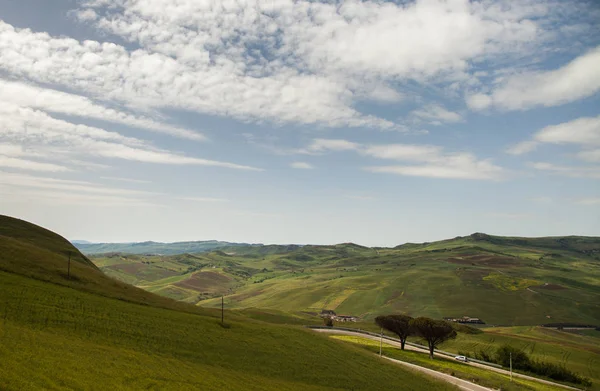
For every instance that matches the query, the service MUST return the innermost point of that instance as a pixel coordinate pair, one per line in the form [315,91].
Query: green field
[502,280]
[89,332]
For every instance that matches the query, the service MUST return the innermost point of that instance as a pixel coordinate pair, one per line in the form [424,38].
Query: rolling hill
[153,247]
[87,331]
[503,280]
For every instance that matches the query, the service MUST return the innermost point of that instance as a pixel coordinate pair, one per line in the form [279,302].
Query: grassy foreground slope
[54,335]
[503,280]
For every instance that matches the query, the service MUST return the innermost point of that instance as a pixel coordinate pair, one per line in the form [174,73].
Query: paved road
[409,347]
[462,384]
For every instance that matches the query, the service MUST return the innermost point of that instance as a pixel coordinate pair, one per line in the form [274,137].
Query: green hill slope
[32,251]
[84,333]
[503,280]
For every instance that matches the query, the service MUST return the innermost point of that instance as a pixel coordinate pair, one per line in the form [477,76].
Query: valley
[99,330]
[504,281]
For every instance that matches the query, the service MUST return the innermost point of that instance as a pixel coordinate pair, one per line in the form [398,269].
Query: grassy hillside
[83,333]
[32,251]
[503,280]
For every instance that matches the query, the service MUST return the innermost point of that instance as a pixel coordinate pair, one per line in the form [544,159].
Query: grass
[72,339]
[504,282]
[86,333]
[473,374]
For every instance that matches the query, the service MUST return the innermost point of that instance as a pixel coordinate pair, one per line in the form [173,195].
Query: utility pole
[510,361]
[380,342]
[222,309]
[69,266]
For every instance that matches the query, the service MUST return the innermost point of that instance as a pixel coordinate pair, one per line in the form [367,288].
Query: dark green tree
[433,331]
[520,360]
[397,324]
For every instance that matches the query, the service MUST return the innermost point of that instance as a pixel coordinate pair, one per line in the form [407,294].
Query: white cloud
[436,114]
[570,171]
[592,155]
[469,168]
[427,160]
[432,162]
[86,15]
[588,201]
[23,164]
[27,95]
[302,165]
[406,152]
[478,101]
[153,79]
[130,180]
[69,198]
[522,147]
[41,133]
[576,80]
[286,61]
[64,185]
[584,132]
[325,145]
[203,199]
[510,216]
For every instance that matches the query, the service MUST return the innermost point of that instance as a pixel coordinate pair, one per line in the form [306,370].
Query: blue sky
[300,121]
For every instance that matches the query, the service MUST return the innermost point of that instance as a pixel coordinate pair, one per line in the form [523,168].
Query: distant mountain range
[582,244]
[155,248]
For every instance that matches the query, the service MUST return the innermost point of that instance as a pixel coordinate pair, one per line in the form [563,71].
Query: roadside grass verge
[579,353]
[463,371]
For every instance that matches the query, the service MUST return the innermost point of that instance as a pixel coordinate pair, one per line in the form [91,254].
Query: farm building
[345,318]
[327,314]
[465,319]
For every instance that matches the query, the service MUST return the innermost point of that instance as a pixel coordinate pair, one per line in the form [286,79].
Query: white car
[461,358]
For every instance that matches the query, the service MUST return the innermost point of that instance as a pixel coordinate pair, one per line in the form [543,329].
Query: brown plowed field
[206,282]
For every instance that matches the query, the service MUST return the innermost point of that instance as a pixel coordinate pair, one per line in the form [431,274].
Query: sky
[279,121]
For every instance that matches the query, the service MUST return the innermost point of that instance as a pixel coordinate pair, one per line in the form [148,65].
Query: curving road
[409,347]
[462,384]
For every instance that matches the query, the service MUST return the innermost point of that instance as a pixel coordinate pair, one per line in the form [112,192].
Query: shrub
[328,322]
[462,328]
[484,356]
[520,360]
[558,372]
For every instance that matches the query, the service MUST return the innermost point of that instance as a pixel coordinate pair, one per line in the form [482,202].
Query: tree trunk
[431,347]
[402,343]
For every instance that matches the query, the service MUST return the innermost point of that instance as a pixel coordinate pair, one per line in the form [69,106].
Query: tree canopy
[433,331]
[397,324]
